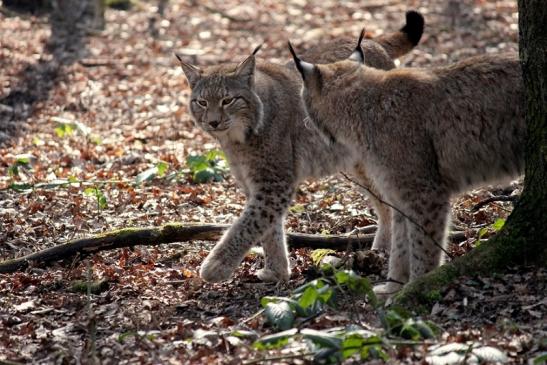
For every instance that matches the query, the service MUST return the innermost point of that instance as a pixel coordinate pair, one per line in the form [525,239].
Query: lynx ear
[358,55]
[193,74]
[306,69]
[246,69]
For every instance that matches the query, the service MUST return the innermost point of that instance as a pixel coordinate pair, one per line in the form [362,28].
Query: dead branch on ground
[174,232]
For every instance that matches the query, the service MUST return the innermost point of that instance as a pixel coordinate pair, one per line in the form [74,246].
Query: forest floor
[104,107]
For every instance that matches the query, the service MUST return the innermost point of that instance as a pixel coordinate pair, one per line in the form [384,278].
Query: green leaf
[275,341]
[351,345]
[424,329]
[13,170]
[341,277]
[123,336]
[99,196]
[244,334]
[279,315]
[321,338]
[90,191]
[541,359]
[319,254]
[204,175]
[64,129]
[309,297]
[21,187]
[298,208]
[161,168]
[498,224]
[102,201]
[146,175]
[52,184]
[23,159]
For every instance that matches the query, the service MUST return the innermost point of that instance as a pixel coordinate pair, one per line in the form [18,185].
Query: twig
[496,198]
[280,357]
[402,213]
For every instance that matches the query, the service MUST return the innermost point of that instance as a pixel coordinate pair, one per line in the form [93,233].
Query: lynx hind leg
[276,266]
[428,242]
[382,239]
[398,270]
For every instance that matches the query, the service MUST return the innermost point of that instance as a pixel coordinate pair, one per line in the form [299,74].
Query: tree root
[169,233]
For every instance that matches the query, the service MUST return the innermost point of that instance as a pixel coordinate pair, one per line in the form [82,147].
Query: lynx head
[322,84]
[223,100]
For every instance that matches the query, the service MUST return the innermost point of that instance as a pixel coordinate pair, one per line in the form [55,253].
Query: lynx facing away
[257,115]
[424,135]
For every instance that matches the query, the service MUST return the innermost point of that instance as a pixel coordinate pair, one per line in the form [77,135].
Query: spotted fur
[255,112]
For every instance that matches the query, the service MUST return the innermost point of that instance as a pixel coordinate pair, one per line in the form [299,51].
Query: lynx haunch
[424,135]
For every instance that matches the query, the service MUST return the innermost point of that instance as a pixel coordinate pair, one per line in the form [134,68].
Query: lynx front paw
[386,290]
[272,276]
[214,270]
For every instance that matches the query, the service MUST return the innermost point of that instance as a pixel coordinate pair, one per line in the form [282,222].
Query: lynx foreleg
[262,212]
[276,267]
[399,256]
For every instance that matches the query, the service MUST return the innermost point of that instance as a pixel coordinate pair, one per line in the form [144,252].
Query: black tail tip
[414,27]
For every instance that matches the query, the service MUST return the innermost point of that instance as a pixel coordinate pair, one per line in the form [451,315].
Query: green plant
[210,166]
[21,161]
[99,196]
[335,345]
[158,170]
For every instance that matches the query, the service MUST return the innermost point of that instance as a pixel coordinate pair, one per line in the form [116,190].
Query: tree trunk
[523,240]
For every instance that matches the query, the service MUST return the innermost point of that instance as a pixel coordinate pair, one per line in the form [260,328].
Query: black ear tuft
[178,57]
[257,48]
[297,60]
[358,54]
[414,27]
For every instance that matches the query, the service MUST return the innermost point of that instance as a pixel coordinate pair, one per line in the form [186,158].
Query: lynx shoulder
[424,135]
[255,112]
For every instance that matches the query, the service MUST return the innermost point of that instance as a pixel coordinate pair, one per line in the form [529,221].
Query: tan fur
[424,135]
[256,114]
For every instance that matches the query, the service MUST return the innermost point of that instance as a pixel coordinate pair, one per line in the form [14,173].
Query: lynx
[255,112]
[424,135]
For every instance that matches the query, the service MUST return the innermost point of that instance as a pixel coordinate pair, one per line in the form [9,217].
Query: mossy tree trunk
[523,240]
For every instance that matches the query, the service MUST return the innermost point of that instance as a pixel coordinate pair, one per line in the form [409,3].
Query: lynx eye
[227,101]
[202,103]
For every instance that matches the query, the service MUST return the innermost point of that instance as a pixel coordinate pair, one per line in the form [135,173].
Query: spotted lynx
[424,135]
[255,112]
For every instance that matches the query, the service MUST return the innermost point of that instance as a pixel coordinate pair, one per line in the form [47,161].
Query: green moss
[96,287]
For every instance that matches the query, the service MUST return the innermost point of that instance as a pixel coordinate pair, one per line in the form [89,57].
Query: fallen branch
[497,198]
[169,233]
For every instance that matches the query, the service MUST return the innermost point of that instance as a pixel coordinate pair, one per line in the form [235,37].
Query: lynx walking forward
[256,113]
[424,135]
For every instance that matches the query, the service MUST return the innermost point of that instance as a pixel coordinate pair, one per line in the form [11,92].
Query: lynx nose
[214,123]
